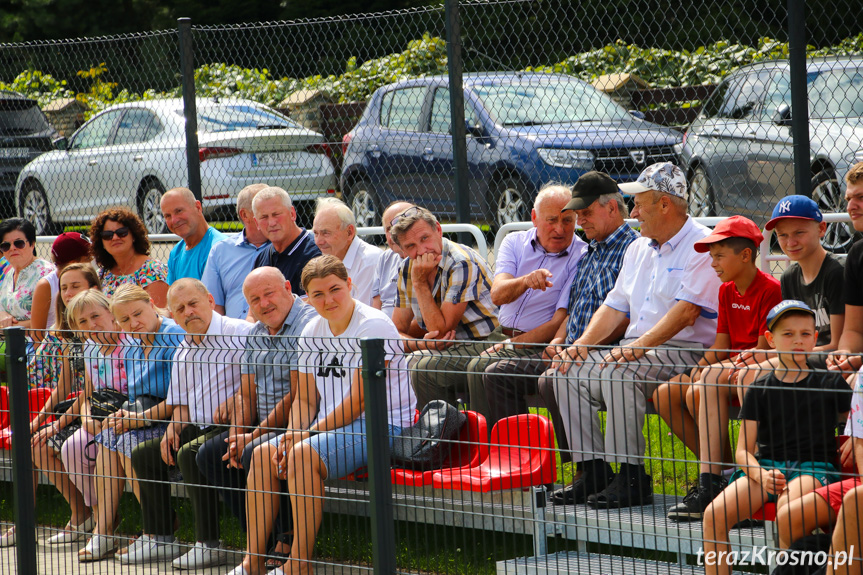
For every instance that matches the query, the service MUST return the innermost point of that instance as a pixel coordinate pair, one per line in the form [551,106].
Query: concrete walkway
[63,560]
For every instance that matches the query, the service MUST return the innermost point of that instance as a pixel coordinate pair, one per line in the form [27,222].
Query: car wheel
[35,209]
[828,196]
[700,194]
[363,204]
[149,206]
[511,203]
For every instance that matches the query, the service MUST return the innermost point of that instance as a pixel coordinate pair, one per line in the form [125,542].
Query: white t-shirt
[332,360]
[203,376]
[54,281]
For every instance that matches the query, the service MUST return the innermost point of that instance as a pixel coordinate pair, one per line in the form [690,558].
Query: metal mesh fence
[497,490]
[551,91]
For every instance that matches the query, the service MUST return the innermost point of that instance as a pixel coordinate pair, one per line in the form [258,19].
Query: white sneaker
[147,550]
[202,556]
[72,533]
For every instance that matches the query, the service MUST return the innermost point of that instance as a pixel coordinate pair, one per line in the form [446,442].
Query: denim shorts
[825,473]
[343,451]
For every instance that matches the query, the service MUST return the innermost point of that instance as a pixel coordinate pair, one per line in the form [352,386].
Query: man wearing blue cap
[815,276]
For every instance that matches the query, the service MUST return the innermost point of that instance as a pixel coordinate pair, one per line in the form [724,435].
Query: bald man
[185,217]
[267,388]
[385,285]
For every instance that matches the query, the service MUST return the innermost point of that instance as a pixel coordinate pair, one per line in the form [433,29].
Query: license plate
[274,159]
[14,152]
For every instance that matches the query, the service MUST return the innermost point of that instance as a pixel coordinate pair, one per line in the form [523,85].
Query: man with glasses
[444,293]
[665,303]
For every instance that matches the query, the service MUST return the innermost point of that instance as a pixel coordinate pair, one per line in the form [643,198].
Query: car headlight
[577,159]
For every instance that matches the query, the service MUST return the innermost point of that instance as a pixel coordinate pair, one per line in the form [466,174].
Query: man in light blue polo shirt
[185,217]
[533,272]
[268,386]
[232,259]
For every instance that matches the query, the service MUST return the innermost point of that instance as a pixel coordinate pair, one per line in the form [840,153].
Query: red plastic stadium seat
[37,398]
[521,455]
[768,512]
[4,407]
[470,451]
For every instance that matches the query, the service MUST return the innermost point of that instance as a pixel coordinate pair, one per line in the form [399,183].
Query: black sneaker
[591,481]
[629,487]
[693,506]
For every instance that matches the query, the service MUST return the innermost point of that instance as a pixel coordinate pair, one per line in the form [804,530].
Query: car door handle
[751,135]
[428,154]
[138,158]
[92,162]
[374,150]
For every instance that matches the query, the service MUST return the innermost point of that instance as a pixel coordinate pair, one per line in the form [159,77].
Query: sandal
[276,560]
[99,547]
[72,533]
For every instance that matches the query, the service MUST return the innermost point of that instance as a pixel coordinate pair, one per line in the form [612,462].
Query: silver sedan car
[130,154]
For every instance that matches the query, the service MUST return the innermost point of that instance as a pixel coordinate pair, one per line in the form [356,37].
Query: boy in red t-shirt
[695,405]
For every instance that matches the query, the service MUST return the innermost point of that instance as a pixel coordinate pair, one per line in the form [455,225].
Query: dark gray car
[24,134]
[739,153]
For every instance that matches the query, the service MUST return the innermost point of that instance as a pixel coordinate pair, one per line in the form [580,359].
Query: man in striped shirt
[444,293]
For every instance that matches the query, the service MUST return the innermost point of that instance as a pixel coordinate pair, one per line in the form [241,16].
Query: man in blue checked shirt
[233,258]
[600,211]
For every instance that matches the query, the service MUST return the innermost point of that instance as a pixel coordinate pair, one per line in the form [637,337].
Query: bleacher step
[569,562]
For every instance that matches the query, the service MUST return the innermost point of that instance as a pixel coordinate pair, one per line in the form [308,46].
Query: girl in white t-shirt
[331,444]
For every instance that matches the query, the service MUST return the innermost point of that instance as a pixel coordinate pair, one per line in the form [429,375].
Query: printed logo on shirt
[334,368]
[740,307]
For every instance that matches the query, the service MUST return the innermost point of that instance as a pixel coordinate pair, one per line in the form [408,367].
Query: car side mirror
[636,114]
[61,143]
[474,130]
[782,117]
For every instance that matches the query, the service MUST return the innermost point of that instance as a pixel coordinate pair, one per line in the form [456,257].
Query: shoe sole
[617,505]
[94,559]
[685,516]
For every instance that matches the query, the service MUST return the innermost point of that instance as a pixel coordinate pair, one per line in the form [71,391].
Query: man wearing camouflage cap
[665,304]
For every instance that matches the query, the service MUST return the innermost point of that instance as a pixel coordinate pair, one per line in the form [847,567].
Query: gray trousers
[623,388]
[444,374]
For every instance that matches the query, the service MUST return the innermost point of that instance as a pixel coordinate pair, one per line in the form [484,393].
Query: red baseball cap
[70,246]
[733,227]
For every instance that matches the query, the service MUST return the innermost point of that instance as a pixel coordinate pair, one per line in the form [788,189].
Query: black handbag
[106,401]
[141,404]
[428,444]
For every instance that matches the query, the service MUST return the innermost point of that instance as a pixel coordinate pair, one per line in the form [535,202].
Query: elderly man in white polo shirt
[665,303]
[335,231]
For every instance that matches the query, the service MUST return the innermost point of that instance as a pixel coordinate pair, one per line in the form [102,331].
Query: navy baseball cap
[784,307]
[798,207]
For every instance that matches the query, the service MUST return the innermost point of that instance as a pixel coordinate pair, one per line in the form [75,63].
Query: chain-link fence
[550,91]
[524,478]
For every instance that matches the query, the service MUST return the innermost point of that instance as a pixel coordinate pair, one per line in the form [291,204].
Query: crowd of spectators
[239,368]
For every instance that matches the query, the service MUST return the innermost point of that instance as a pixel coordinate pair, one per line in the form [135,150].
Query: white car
[130,154]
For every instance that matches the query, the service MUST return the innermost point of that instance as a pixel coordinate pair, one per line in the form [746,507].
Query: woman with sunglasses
[121,249]
[18,245]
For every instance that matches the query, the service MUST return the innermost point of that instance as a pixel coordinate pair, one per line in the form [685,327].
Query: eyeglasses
[6,246]
[408,213]
[109,234]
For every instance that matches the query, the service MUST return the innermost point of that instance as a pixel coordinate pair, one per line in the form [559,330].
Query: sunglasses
[408,213]
[6,246]
[109,234]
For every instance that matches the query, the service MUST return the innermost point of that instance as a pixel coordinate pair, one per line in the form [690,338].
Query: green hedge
[425,57]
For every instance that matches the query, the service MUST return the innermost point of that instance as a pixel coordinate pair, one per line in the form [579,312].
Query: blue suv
[523,130]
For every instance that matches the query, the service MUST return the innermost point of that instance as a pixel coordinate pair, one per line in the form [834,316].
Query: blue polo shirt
[151,375]
[183,263]
[229,263]
[291,261]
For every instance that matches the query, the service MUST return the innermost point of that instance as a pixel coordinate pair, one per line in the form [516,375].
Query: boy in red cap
[685,402]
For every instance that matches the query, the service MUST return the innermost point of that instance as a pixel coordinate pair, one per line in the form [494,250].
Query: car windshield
[836,93]
[20,118]
[524,104]
[239,117]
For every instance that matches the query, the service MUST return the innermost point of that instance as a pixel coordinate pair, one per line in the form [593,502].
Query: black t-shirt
[824,294]
[797,421]
[291,261]
[854,275]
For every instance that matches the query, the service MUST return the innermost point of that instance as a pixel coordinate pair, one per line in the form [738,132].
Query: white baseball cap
[663,177]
